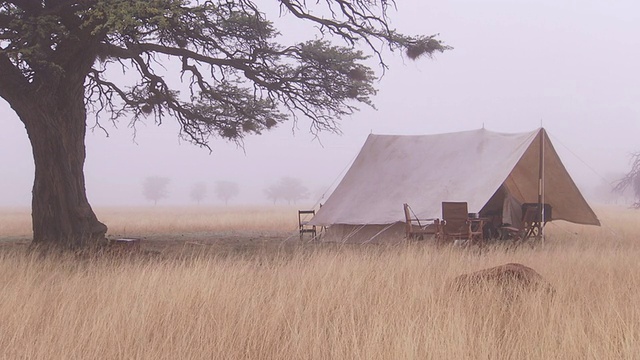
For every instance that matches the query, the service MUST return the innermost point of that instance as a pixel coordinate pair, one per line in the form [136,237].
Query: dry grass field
[233,284]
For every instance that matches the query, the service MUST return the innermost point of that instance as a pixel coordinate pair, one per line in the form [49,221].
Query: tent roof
[425,170]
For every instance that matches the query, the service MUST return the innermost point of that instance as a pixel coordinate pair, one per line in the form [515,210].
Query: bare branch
[631,179]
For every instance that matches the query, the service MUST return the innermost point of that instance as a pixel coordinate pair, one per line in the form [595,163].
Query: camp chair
[304,216]
[531,222]
[456,224]
[416,228]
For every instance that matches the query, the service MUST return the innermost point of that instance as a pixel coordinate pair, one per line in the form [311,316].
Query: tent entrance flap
[505,207]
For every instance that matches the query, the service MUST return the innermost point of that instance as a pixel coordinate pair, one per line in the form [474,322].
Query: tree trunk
[56,124]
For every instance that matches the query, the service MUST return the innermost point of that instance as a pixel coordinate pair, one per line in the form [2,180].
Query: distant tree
[288,189]
[605,192]
[632,179]
[226,190]
[273,193]
[293,190]
[198,192]
[154,188]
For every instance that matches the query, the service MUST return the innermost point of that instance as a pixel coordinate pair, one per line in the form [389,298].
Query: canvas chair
[531,222]
[304,216]
[456,224]
[417,228]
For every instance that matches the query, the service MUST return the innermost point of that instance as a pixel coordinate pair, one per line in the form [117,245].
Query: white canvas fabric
[469,166]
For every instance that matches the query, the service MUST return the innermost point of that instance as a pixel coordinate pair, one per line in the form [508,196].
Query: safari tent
[490,171]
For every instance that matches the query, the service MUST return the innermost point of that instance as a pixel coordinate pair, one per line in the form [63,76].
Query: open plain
[237,283]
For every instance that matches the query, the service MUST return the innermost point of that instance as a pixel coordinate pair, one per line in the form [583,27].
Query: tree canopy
[234,77]
[240,80]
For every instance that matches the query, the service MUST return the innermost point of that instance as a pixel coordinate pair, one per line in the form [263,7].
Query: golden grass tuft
[329,302]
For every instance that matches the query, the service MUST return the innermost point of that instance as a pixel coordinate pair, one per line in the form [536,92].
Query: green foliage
[132,17]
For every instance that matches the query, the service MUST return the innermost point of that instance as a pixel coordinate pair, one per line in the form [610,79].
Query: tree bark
[56,124]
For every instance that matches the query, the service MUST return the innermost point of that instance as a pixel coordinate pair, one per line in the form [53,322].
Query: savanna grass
[338,302]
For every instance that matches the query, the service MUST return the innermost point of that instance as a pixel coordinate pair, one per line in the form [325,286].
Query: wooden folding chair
[304,216]
[417,228]
[456,224]
[531,224]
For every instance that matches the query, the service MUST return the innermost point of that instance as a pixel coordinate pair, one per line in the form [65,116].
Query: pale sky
[571,66]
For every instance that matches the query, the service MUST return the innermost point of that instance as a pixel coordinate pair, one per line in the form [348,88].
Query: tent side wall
[360,234]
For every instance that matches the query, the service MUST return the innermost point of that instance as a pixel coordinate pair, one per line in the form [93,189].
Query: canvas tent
[483,168]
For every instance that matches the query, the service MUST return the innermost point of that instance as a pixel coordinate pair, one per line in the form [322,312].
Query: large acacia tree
[57,62]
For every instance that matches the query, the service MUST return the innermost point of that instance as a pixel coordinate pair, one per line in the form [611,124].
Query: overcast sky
[571,66]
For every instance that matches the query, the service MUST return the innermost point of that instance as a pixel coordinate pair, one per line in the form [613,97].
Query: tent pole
[541,186]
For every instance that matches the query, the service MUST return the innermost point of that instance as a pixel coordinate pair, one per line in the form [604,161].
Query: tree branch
[13,85]
[631,179]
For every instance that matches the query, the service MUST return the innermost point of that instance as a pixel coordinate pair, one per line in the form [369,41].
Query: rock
[508,277]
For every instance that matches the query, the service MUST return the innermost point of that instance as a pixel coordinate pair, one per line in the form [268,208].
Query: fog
[569,66]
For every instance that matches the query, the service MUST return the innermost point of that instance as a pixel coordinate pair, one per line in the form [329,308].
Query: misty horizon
[514,67]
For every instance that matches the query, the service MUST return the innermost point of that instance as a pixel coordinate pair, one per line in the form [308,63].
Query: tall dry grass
[159,220]
[336,302]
